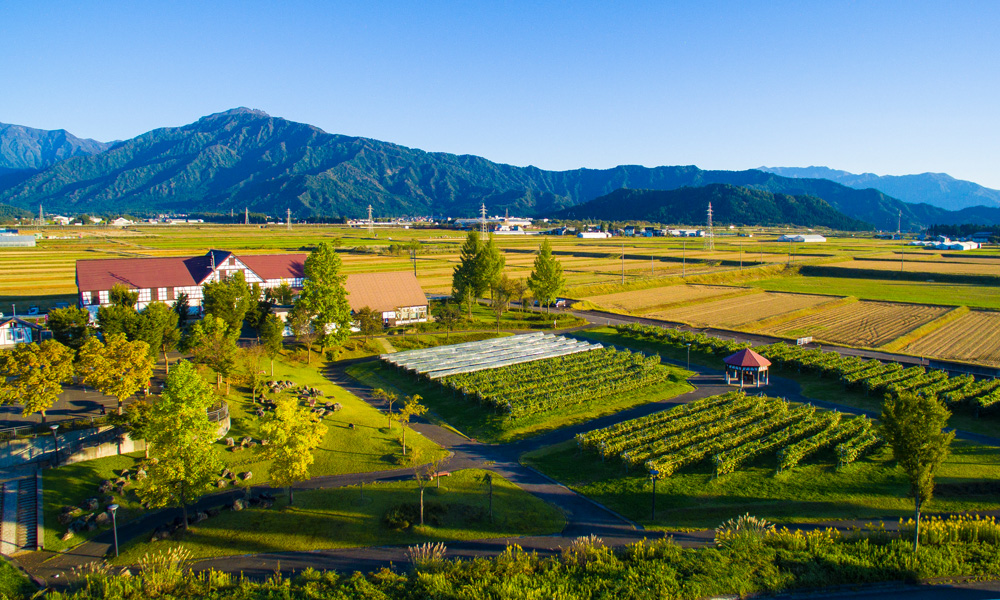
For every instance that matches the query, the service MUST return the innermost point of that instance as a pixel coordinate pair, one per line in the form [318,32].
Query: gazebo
[747,367]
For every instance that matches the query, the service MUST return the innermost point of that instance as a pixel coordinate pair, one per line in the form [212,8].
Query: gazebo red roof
[747,358]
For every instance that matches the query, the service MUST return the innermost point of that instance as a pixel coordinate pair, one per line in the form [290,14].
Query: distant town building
[121,222]
[593,235]
[16,241]
[802,237]
[15,331]
[61,220]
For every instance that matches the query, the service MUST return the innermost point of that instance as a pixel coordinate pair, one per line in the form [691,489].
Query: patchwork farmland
[974,337]
[862,323]
[741,310]
[642,301]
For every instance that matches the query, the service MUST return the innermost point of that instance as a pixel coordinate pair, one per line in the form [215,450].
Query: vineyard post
[689,355]
[654,475]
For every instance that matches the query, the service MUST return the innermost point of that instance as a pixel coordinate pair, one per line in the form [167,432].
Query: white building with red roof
[397,296]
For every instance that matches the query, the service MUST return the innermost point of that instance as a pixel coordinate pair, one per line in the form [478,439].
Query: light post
[654,475]
[689,355]
[55,440]
[114,525]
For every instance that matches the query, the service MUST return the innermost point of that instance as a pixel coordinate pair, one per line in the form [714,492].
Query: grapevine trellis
[871,375]
[732,430]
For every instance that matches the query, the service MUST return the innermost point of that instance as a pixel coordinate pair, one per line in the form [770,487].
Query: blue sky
[883,87]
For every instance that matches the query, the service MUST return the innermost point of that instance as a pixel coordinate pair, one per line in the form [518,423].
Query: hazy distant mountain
[731,205]
[23,148]
[937,189]
[245,158]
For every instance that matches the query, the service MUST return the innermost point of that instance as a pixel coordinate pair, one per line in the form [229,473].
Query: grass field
[734,312]
[369,446]
[931,267]
[872,488]
[339,518]
[642,301]
[948,294]
[485,424]
[975,337]
[861,323]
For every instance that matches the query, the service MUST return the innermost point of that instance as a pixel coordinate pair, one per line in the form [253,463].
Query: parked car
[33,310]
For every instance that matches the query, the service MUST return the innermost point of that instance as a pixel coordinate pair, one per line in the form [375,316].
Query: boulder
[199,517]
[120,482]
[140,474]
[230,442]
[337,407]
[212,512]
[161,533]
[226,473]
[105,487]
[90,504]
[237,505]
[124,473]
[222,483]
[246,476]
[66,518]
[102,519]
[107,500]
[68,535]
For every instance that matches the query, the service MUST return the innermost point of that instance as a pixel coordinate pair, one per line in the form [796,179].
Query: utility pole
[413,256]
[41,215]
[246,216]
[288,219]
[371,223]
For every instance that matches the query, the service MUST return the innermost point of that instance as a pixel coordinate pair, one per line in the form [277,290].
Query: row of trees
[481,270]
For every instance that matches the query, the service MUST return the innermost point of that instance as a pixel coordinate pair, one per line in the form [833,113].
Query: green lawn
[872,488]
[481,423]
[952,294]
[370,446]
[338,518]
[13,584]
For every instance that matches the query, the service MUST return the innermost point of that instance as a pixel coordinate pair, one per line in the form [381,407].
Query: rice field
[740,310]
[643,301]
[862,323]
[973,337]
[942,266]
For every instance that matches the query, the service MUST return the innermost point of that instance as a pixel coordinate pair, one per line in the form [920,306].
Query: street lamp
[55,439]
[654,475]
[114,525]
[689,355]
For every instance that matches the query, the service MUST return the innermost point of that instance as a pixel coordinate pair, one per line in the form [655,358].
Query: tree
[119,368]
[300,320]
[913,426]
[182,306]
[272,335]
[546,279]
[491,263]
[249,362]
[157,326]
[292,433]
[411,408]
[117,319]
[324,296]
[467,280]
[212,344]
[230,299]
[135,421]
[369,322]
[256,316]
[32,375]
[70,326]
[185,464]
[390,399]
[281,295]
[448,316]
[503,292]
[123,296]
[422,473]
[517,289]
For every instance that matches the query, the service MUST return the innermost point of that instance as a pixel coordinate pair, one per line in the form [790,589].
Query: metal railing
[215,414]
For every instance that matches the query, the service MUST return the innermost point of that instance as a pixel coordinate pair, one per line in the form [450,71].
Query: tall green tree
[119,368]
[118,319]
[212,344]
[491,264]
[546,280]
[467,280]
[32,375]
[300,321]
[369,322]
[186,464]
[70,326]
[324,296]
[272,335]
[157,326]
[230,299]
[293,433]
[124,296]
[913,426]
[503,292]
[449,316]
[182,306]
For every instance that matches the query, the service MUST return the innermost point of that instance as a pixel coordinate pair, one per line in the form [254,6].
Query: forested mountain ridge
[937,189]
[731,205]
[246,158]
[24,148]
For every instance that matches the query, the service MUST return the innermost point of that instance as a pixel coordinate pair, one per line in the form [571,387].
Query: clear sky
[883,87]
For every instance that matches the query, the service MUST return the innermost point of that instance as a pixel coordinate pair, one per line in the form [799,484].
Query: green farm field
[948,294]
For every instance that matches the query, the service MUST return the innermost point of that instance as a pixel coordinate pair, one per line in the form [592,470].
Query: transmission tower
[710,234]
[482,221]
[41,215]
[288,219]
[246,216]
[371,223]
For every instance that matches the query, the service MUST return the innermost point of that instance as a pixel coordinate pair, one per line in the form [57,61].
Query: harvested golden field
[640,301]
[740,310]
[973,337]
[943,266]
[862,323]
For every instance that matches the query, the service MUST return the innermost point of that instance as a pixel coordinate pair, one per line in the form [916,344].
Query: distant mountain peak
[241,110]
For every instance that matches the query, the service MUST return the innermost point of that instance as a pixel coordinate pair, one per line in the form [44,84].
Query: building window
[103,297]
[85,298]
[145,295]
[161,293]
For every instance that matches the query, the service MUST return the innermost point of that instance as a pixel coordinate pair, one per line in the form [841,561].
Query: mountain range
[246,158]
[731,205]
[937,189]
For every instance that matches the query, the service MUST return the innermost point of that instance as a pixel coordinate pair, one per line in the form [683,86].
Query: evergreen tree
[272,335]
[123,296]
[182,306]
[369,322]
[186,464]
[212,344]
[230,299]
[467,282]
[491,263]
[70,326]
[546,280]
